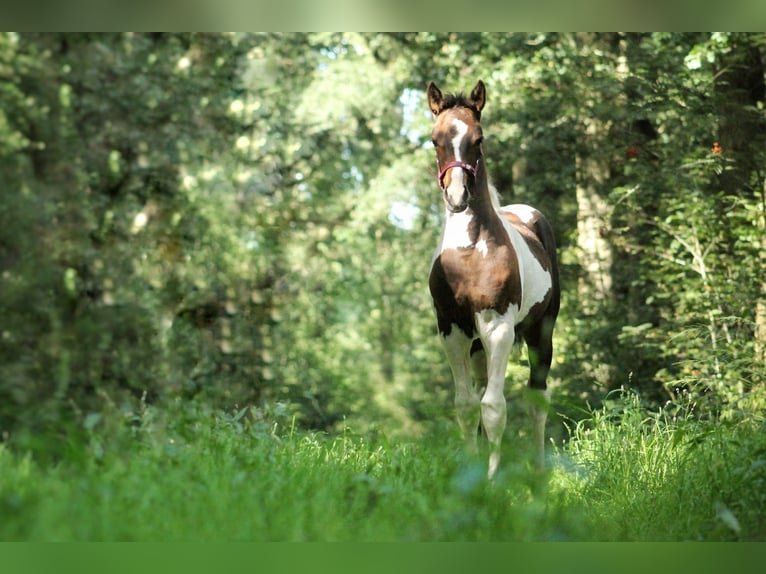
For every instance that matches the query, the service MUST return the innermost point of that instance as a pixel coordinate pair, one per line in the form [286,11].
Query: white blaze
[455,189]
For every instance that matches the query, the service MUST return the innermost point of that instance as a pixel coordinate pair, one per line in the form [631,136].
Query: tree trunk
[760,309]
[593,211]
[595,283]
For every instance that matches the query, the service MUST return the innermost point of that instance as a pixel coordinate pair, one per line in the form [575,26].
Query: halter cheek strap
[472,169]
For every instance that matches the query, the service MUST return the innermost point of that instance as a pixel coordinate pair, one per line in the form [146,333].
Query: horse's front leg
[497,335]
[457,346]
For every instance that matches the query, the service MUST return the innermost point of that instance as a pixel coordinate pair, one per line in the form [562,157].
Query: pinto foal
[494,277]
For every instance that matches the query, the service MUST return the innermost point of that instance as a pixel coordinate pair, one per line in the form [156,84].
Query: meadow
[238,228]
[184,472]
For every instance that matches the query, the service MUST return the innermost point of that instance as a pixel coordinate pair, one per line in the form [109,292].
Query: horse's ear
[435,98]
[479,96]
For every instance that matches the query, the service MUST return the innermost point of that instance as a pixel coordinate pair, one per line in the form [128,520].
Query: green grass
[182,473]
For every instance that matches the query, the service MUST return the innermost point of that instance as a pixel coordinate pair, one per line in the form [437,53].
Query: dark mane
[459,100]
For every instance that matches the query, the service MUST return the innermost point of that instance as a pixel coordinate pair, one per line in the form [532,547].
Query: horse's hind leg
[478,363]
[479,366]
[541,400]
[540,349]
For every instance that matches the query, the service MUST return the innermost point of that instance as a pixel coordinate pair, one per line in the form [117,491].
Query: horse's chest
[467,281]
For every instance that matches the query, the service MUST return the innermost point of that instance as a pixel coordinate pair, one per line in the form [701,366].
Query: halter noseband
[472,169]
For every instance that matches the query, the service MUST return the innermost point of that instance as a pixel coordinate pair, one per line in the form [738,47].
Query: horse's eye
[434,142]
[480,141]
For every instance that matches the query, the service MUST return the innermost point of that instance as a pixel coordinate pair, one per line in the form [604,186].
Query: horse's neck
[494,196]
[462,230]
[488,200]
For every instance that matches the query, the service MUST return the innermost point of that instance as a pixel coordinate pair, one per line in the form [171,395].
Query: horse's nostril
[457,205]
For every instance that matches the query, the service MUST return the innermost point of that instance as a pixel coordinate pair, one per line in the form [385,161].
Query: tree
[101,125]
[247,219]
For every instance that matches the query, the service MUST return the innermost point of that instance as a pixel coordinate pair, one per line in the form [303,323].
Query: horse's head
[457,137]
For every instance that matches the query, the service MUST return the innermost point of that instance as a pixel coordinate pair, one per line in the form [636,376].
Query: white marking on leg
[457,346]
[497,335]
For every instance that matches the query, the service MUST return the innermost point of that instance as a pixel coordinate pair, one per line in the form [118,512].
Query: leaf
[240,414]
[726,516]
[91,420]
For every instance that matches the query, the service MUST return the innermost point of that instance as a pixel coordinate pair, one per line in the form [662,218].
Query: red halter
[472,169]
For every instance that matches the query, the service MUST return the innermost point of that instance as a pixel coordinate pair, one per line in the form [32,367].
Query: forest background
[247,220]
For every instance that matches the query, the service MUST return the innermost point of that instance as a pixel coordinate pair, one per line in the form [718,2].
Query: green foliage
[94,149]
[664,475]
[694,239]
[247,220]
[187,472]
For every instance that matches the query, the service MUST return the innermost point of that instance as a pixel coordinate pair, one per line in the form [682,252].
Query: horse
[494,280]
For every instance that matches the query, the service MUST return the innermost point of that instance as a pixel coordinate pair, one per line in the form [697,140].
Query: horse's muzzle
[459,206]
[456,205]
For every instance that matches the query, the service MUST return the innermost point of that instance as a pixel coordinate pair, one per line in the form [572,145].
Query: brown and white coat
[494,278]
